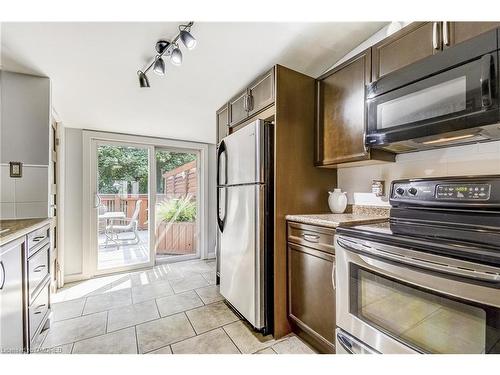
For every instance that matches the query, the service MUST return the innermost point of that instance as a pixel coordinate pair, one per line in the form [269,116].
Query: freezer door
[241,252]
[243,157]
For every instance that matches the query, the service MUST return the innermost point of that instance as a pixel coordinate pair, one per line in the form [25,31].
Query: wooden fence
[181,181]
[118,203]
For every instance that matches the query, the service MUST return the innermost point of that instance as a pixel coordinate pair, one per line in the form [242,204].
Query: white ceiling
[93,67]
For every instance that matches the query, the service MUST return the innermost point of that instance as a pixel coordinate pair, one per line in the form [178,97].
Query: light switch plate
[16,169]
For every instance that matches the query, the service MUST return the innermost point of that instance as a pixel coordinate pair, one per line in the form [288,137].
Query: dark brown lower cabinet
[311,297]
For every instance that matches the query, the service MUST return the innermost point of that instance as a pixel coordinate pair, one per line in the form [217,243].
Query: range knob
[412,191]
[400,191]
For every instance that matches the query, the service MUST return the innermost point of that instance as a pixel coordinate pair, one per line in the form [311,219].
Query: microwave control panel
[475,192]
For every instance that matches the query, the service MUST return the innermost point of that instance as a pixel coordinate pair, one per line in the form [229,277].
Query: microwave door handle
[485,81]
[491,277]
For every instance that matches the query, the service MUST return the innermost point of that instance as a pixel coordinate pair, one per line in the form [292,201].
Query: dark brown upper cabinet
[458,32]
[222,122]
[261,93]
[258,96]
[341,113]
[412,43]
[420,40]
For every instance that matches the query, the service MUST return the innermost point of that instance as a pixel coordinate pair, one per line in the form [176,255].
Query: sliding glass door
[177,205]
[122,201]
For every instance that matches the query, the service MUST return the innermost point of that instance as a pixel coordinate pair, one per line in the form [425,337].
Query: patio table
[111,217]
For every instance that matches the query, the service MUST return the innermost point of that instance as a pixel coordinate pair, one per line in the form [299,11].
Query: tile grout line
[230,338]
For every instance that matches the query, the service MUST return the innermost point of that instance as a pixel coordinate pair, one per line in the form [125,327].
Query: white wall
[72,215]
[24,134]
[475,159]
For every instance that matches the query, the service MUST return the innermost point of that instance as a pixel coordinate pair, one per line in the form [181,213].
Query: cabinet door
[261,92]
[341,117]
[458,32]
[311,297]
[222,118]
[238,108]
[412,43]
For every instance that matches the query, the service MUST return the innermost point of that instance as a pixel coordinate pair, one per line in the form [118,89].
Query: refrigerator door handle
[221,150]
[220,222]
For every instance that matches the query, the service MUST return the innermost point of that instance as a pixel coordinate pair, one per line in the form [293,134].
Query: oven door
[396,300]
[454,100]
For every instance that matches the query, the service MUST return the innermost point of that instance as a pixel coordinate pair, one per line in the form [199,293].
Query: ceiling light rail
[170,49]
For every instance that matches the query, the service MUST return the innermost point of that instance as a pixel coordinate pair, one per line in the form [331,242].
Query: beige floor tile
[266,351]
[211,316]
[210,277]
[107,301]
[71,330]
[151,291]
[292,345]
[188,283]
[178,303]
[209,294]
[68,309]
[164,350]
[161,332]
[212,342]
[246,339]
[131,315]
[119,342]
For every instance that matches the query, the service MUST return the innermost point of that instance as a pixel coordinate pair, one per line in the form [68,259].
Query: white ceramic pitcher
[337,200]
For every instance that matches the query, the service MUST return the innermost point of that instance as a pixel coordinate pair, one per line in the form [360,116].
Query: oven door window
[423,319]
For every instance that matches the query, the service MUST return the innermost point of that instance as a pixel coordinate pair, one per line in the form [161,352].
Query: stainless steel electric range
[428,279]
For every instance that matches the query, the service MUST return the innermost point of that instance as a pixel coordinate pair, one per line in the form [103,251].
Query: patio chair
[131,226]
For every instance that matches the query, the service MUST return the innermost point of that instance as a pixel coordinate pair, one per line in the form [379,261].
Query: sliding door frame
[89,241]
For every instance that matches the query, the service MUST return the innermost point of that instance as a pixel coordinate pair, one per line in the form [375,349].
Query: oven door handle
[351,345]
[492,276]
[485,81]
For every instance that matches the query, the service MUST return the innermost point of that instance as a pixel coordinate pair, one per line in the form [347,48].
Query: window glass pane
[434,323]
[438,100]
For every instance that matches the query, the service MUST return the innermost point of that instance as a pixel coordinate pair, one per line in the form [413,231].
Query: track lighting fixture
[169,49]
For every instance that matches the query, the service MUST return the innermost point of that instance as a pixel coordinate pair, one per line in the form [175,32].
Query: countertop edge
[304,219]
[23,232]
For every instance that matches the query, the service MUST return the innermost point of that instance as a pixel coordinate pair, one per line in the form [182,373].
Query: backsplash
[24,197]
[475,159]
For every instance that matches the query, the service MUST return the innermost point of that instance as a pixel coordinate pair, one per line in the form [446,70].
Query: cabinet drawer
[39,309]
[38,237]
[38,268]
[312,236]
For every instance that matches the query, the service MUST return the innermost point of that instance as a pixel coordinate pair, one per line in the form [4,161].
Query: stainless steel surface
[11,298]
[39,309]
[397,264]
[446,33]
[244,156]
[423,260]
[241,249]
[435,35]
[314,238]
[347,344]
[38,269]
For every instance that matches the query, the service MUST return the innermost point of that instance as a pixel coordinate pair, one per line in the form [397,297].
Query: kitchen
[350,207]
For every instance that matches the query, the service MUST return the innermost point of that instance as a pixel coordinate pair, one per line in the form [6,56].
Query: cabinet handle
[311,237]
[249,102]
[38,308]
[435,35]
[3,275]
[333,277]
[446,33]
[39,268]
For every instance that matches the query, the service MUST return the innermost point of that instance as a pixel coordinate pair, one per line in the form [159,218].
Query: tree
[119,163]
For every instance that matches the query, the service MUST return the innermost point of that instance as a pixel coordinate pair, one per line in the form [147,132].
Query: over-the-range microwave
[446,99]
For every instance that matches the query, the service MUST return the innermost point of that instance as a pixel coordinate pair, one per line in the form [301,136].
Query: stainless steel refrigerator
[245,222]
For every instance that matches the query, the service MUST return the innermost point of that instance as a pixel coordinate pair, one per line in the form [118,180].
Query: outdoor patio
[126,253]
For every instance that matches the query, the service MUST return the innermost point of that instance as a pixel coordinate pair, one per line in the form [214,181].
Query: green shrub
[176,210]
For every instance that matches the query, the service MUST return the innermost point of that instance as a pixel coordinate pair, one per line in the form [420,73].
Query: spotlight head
[176,56]
[187,39]
[143,79]
[159,67]
[161,46]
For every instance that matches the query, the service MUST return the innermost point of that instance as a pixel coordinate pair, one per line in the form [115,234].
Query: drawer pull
[38,238]
[39,268]
[310,237]
[38,308]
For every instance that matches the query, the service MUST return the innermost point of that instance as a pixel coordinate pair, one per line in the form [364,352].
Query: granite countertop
[358,215]
[15,228]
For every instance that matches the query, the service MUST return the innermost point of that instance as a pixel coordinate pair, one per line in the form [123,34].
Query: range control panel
[464,191]
[447,191]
